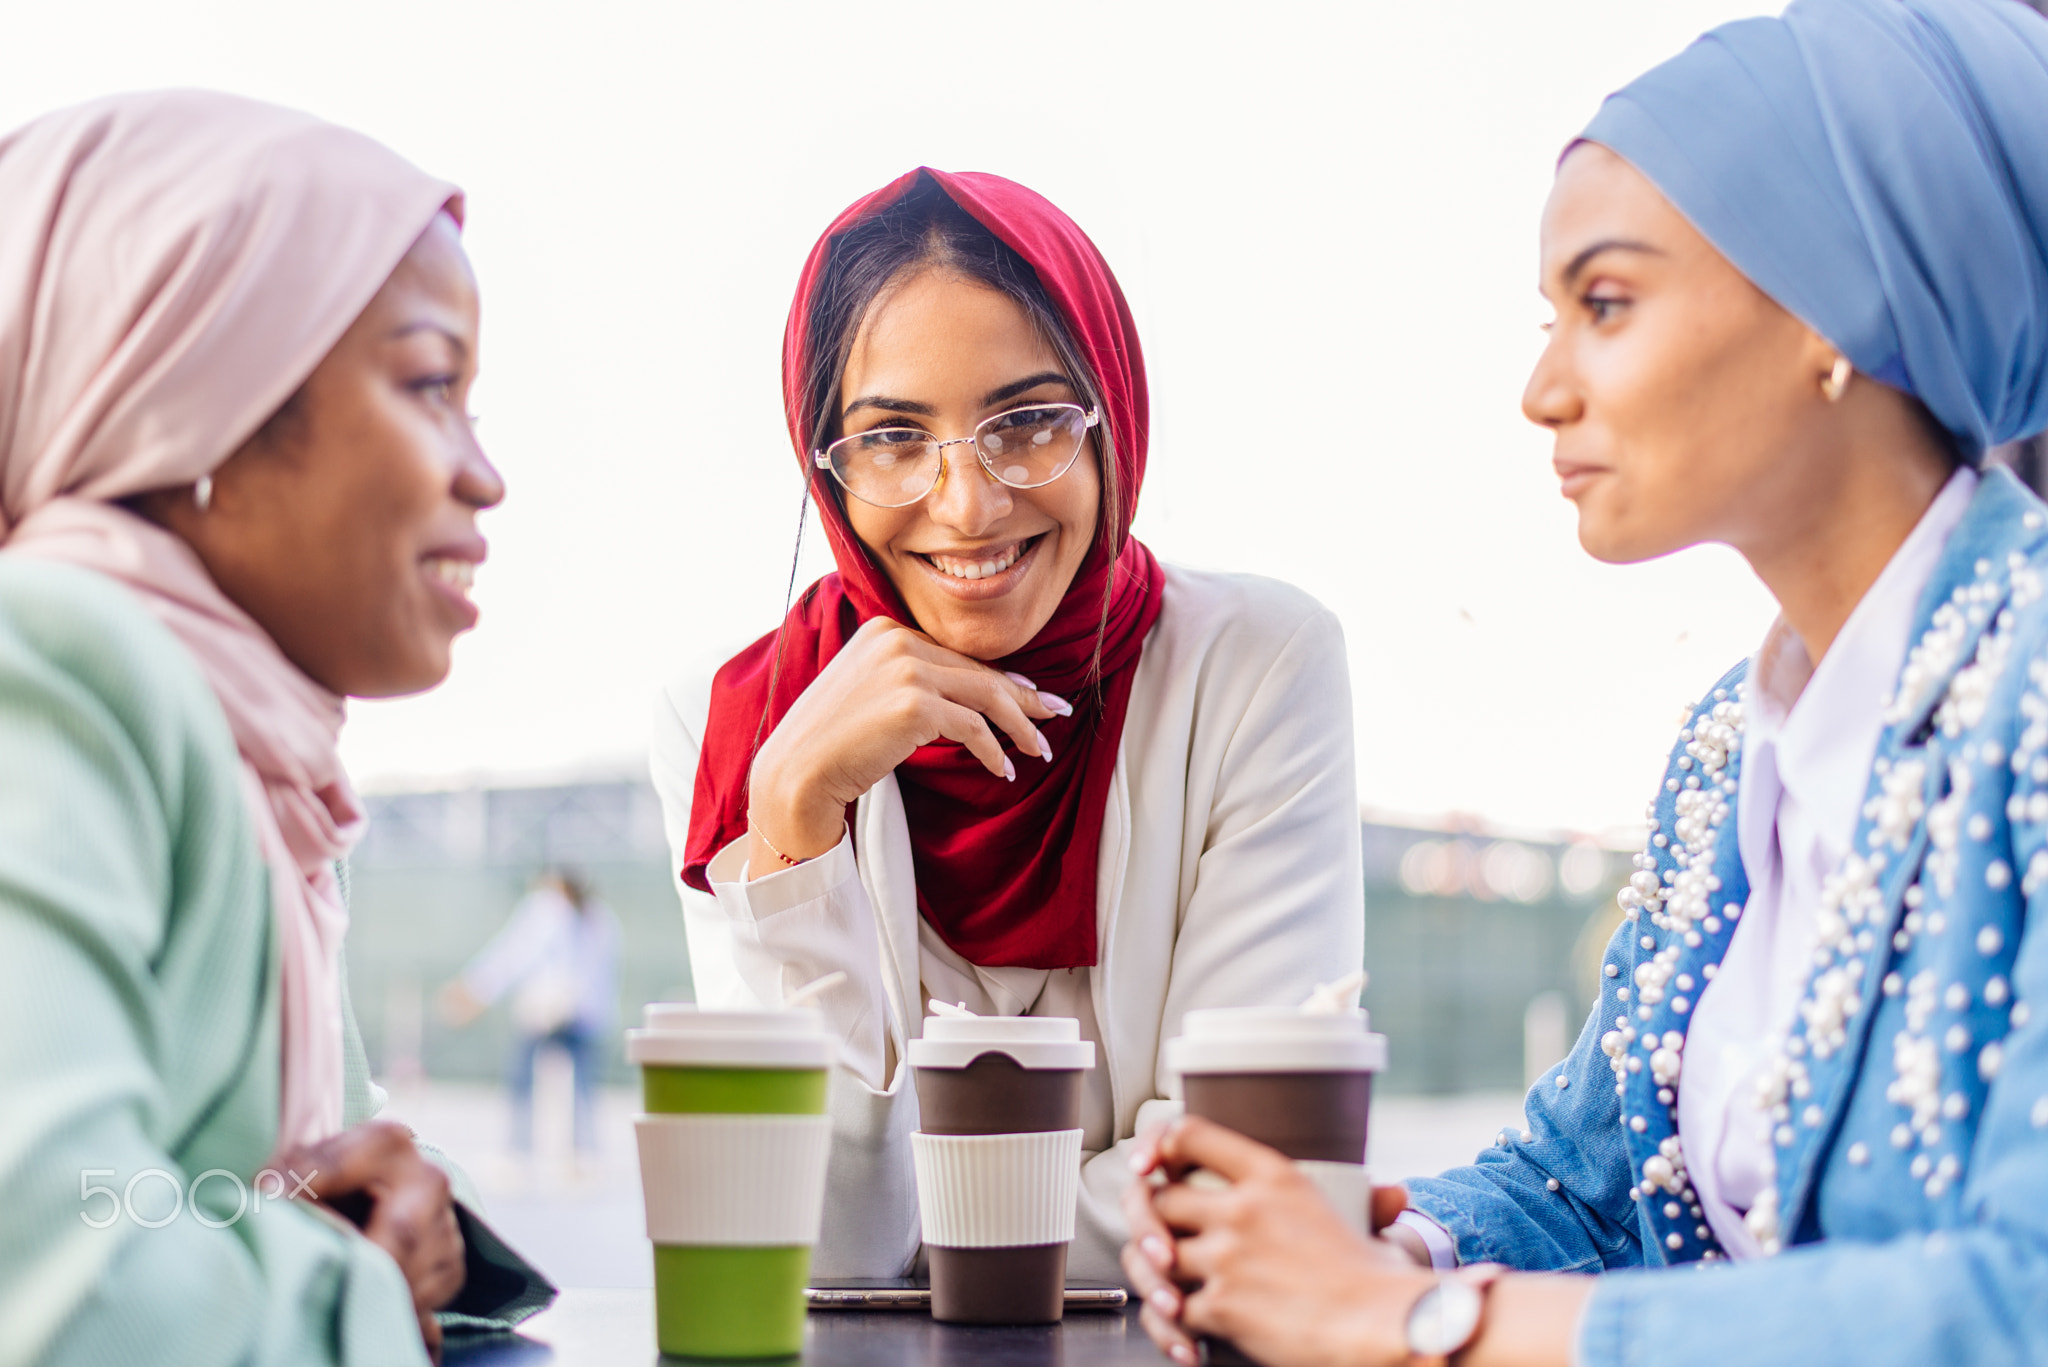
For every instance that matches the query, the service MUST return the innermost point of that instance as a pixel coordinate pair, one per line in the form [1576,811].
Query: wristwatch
[1445,1319]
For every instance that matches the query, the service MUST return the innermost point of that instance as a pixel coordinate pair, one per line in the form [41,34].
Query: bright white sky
[1324,216]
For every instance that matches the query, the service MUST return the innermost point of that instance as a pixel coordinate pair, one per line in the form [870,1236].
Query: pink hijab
[173,265]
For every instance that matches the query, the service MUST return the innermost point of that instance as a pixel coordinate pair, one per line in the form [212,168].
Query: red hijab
[1005,871]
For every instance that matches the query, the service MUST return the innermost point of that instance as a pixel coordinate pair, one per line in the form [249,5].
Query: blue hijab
[1880,168]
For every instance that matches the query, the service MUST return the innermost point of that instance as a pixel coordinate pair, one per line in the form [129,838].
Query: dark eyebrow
[424,326]
[1016,387]
[923,410]
[989,400]
[1612,244]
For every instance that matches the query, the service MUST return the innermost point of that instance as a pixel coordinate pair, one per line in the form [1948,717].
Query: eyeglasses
[1025,448]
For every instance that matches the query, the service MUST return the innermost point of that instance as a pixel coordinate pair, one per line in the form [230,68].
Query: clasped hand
[1260,1258]
[375,1176]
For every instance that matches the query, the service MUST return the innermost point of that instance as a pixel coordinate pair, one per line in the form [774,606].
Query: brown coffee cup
[1295,1080]
[1320,1117]
[998,1153]
[1298,1081]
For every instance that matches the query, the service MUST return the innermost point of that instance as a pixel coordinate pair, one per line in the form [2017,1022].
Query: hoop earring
[202,492]
[1837,382]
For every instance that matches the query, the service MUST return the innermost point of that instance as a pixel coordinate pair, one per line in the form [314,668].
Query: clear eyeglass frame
[838,456]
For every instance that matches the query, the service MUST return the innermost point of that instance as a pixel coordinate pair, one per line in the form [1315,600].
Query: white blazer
[1229,876]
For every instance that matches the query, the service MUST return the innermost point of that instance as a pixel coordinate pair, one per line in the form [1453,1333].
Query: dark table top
[616,1329]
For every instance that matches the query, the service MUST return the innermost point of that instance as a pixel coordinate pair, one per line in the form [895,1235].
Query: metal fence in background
[1484,951]
[1477,944]
[440,872]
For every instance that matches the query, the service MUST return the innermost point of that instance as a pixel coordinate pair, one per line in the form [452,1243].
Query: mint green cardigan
[139,1029]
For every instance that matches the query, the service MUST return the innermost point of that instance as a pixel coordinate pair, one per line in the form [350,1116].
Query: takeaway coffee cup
[998,1158]
[1299,1081]
[732,1162]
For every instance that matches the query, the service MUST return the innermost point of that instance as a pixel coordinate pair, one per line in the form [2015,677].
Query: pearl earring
[202,492]
[1837,382]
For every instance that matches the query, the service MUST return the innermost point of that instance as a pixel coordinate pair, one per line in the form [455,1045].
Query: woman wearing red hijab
[1004,756]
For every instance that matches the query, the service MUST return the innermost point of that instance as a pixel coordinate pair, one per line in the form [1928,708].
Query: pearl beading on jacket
[1677,896]
[1853,911]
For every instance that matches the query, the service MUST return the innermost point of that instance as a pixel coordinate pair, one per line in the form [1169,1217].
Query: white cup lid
[1038,1042]
[1266,1039]
[682,1035]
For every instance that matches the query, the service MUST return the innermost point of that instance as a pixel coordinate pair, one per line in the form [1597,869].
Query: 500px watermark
[269,1185]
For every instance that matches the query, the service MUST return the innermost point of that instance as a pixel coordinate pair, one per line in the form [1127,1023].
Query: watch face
[1443,1320]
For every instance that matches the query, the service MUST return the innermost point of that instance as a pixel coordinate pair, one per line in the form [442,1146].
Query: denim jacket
[1909,1221]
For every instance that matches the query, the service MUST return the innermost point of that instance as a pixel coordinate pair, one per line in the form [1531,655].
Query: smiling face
[980,565]
[347,526]
[1686,403]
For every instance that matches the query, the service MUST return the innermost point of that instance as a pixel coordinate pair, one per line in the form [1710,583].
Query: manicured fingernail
[1164,1301]
[1009,770]
[1045,747]
[1056,704]
[1156,1249]
[1141,1159]
[1021,681]
[1184,1355]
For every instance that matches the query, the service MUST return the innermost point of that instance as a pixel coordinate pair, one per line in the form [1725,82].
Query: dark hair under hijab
[926,229]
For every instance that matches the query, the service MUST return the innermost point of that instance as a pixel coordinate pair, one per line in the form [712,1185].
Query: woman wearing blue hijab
[1801,281]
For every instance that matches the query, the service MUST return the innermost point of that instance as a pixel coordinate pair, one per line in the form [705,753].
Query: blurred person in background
[558,957]
[1800,275]
[1004,757]
[237,485]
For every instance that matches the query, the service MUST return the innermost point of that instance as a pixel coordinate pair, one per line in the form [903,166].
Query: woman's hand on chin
[891,690]
[1264,1261]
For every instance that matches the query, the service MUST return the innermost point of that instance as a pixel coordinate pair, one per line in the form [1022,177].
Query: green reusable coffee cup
[733,1144]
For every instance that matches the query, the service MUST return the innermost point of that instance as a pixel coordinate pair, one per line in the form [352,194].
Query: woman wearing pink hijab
[237,484]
